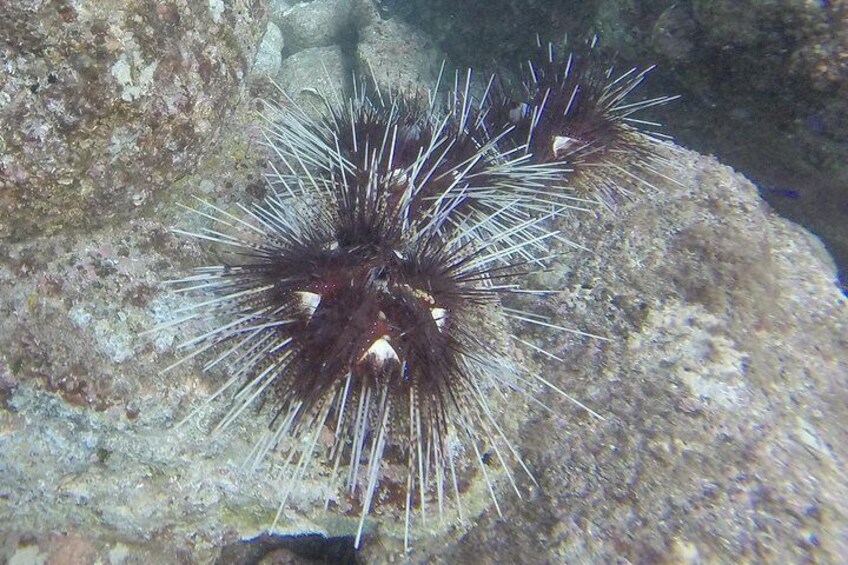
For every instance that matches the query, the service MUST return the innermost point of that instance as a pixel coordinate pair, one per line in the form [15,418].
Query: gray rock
[312,76]
[399,56]
[101,108]
[276,9]
[722,385]
[722,388]
[269,56]
[316,24]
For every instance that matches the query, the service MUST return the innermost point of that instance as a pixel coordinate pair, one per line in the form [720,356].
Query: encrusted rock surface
[314,75]
[104,105]
[269,56]
[316,24]
[398,54]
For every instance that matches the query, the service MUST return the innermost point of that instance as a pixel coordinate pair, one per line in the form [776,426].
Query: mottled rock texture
[723,386]
[399,55]
[313,76]
[104,104]
[319,23]
[269,56]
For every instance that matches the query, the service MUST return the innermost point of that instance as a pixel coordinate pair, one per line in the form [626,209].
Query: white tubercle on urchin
[365,294]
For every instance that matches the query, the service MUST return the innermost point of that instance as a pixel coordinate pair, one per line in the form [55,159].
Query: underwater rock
[269,57]
[723,388]
[104,106]
[721,385]
[316,24]
[398,55]
[764,86]
[314,75]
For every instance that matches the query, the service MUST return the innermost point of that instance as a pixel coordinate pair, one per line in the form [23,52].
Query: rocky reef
[722,383]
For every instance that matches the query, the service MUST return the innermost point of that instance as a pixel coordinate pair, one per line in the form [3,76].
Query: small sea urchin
[366,294]
[578,111]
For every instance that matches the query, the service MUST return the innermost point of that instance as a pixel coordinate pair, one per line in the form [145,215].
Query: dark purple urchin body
[397,141]
[361,298]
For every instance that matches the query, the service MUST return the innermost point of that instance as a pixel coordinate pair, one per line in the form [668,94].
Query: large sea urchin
[375,322]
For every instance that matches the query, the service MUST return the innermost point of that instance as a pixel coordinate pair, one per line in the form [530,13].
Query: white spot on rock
[79,316]
[269,56]
[216,9]
[133,87]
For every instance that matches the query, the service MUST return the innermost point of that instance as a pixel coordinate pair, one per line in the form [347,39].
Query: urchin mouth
[369,321]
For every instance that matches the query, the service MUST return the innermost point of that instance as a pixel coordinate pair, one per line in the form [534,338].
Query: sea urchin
[578,111]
